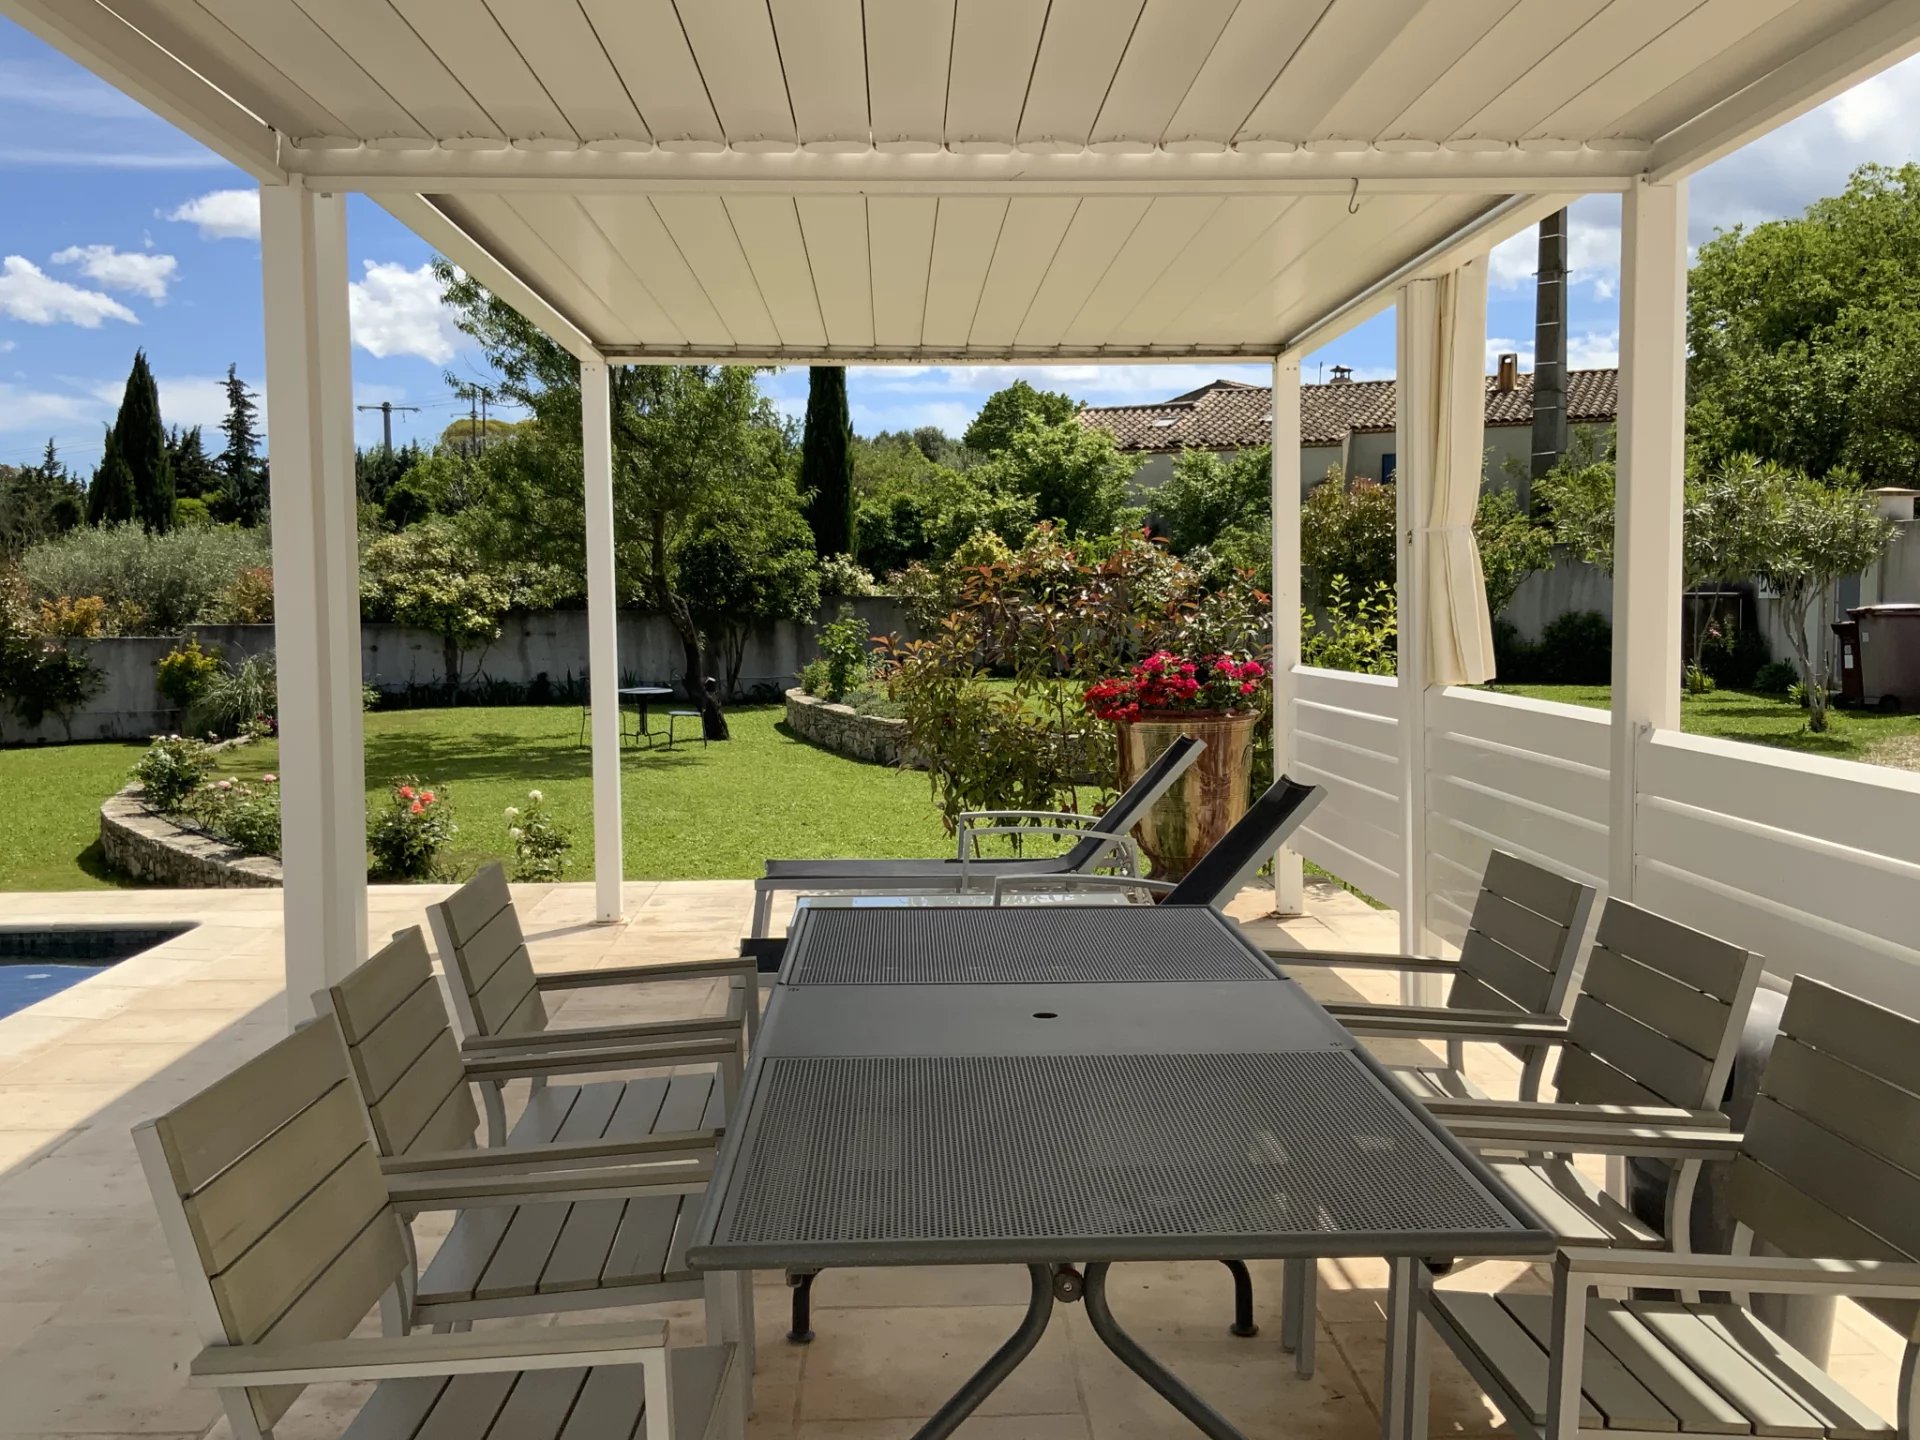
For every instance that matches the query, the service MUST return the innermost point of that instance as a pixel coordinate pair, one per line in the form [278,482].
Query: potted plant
[1213,698]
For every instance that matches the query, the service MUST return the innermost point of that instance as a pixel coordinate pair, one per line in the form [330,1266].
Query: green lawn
[691,812]
[1767,720]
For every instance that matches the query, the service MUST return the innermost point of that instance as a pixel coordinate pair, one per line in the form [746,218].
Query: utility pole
[478,397]
[386,409]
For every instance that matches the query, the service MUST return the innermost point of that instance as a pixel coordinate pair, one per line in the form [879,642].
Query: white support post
[1647,513]
[316,588]
[603,640]
[1289,894]
[1416,333]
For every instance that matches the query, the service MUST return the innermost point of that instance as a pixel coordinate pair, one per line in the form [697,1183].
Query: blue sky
[126,233]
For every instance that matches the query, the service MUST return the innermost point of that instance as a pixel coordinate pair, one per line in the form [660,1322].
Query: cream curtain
[1458,629]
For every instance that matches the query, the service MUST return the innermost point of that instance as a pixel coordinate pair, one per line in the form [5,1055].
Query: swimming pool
[41,960]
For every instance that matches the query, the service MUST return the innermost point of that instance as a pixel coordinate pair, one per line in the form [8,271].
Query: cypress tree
[143,446]
[826,461]
[110,496]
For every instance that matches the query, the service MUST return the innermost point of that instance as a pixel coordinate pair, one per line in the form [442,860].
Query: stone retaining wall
[138,842]
[844,731]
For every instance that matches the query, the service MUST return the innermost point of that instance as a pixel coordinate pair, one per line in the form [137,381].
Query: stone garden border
[148,846]
[843,730]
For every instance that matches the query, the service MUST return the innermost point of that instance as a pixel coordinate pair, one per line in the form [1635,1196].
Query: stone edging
[843,730]
[148,846]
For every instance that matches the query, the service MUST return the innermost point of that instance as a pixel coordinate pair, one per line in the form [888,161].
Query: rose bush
[406,835]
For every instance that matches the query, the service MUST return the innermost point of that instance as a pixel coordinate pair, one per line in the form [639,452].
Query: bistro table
[1066,1088]
[642,695]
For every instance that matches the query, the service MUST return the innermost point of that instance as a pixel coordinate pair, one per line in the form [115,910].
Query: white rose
[513,812]
[535,796]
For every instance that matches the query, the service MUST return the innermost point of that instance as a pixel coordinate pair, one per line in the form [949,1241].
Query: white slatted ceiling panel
[1352,252]
[517,245]
[1163,232]
[649,50]
[901,230]
[610,266]
[286,37]
[1597,47]
[630,229]
[1527,34]
[769,231]
[836,230]
[703,230]
[397,60]
[184,29]
[1228,234]
[1344,43]
[1250,51]
[474,47]
[824,54]
[965,232]
[1217,310]
[994,44]
[908,42]
[1170,44]
[1100,226]
[1029,238]
[565,54]
[739,58]
[1430,43]
[1079,53]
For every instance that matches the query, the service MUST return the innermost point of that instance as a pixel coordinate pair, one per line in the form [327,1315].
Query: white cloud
[5,346]
[222,214]
[31,412]
[28,293]
[1595,350]
[185,400]
[397,311]
[1593,250]
[141,272]
[1498,345]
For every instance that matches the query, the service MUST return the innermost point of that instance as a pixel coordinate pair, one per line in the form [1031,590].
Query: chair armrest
[1466,1110]
[311,1362]
[554,1059]
[727,965]
[1498,1027]
[658,1175]
[559,1154]
[594,1037]
[1767,1274]
[1597,1137]
[1428,964]
[1004,883]
[966,821]
[1128,852]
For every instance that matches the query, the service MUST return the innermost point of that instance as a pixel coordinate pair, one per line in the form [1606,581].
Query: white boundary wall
[1347,740]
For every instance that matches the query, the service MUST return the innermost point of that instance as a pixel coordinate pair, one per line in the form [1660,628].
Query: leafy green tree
[1007,410]
[243,473]
[1075,476]
[37,502]
[1821,533]
[1511,545]
[1575,498]
[1212,499]
[1729,528]
[195,475]
[826,462]
[142,443]
[110,497]
[744,567]
[377,470]
[1804,335]
[915,508]
[1347,529]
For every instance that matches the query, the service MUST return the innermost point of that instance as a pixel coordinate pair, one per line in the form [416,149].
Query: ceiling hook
[1353,200]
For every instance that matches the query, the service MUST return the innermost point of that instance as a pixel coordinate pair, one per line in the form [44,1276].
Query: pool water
[36,962]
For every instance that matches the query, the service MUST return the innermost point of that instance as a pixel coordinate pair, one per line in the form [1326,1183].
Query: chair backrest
[1236,857]
[405,1057]
[1659,1015]
[270,1194]
[489,972]
[1133,803]
[1523,940]
[1829,1164]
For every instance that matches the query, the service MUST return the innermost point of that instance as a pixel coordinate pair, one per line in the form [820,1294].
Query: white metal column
[1648,509]
[603,639]
[1288,892]
[1416,326]
[316,588]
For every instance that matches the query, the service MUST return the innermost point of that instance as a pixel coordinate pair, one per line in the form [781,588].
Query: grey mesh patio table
[1064,1089]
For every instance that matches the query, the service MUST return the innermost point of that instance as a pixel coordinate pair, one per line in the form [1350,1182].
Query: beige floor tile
[1457,1405]
[877,1364]
[111,1379]
[21,1148]
[976,1427]
[19,1319]
[940,1285]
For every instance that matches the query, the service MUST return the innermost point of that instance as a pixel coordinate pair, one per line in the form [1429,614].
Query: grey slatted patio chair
[499,997]
[530,1258]
[1651,1040]
[1826,1179]
[286,1232]
[1108,841]
[1519,957]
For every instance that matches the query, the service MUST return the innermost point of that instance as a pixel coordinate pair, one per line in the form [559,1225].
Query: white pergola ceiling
[971,179]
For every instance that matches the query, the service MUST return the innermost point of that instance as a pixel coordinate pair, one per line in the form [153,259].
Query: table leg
[989,1377]
[1201,1415]
[1243,1325]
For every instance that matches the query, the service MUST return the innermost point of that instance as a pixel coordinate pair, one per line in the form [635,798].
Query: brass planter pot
[1206,801]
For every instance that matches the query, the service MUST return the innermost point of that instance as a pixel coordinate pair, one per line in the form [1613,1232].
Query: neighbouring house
[1344,422]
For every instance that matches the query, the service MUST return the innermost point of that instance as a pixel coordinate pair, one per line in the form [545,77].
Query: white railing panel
[1345,737]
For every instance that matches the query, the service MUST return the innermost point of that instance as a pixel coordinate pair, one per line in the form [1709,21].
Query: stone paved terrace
[94,1341]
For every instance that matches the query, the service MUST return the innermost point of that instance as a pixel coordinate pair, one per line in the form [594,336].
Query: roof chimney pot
[1342,375]
[1509,377]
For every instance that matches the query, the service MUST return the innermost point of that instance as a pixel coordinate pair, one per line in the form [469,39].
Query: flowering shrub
[407,834]
[244,812]
[184,673]
[74,617]
[171,770]
[540,843]
[1165,681]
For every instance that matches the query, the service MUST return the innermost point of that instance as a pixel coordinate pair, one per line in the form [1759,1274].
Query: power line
[386,409]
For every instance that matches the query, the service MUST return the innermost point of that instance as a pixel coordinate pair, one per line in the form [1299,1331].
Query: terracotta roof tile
[1229,415]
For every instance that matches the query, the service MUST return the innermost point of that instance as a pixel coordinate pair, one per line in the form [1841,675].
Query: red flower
[427,795]
[415,808]
[405,792]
